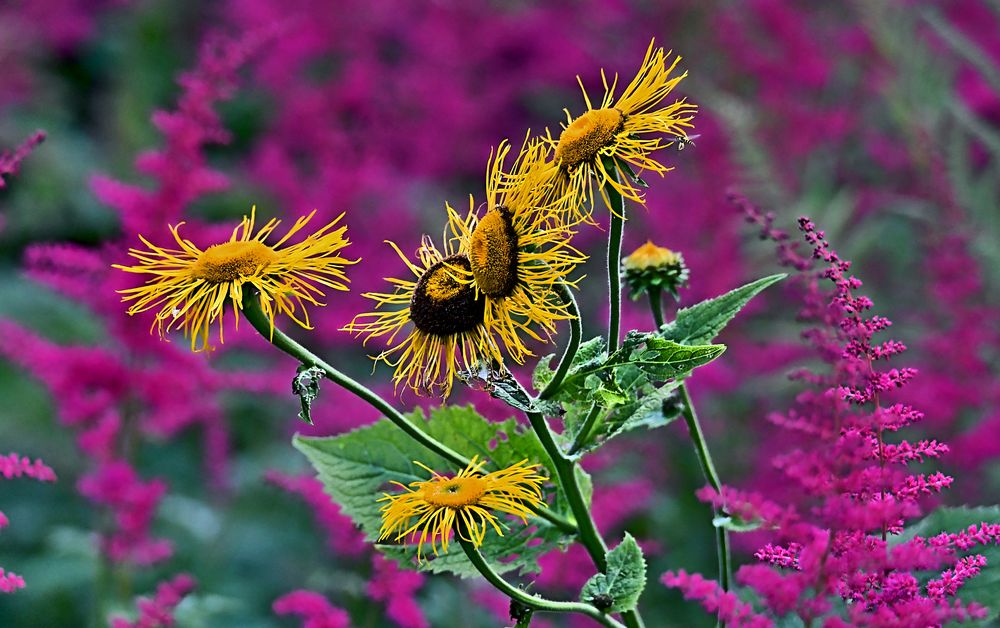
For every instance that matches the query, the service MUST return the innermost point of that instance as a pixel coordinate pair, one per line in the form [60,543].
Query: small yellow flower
[447,317]
[462,503]
[518,249]
[621,129]
[650,255]
[190,287]
[651,268]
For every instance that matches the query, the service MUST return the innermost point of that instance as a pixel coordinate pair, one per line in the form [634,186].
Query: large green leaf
[356,468]
[985,587]
[702,322]
[618,589]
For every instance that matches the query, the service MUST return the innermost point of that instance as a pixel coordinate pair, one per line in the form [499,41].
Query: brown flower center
[493,254]
[453,492]
[441,306]
[584,138]
[229,261]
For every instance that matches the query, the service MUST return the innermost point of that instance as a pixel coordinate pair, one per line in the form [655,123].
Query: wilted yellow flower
[462,502]
[447,318]
[190,287]
[518,249]
[621,129]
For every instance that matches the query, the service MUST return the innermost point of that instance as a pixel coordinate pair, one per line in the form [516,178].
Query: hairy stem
[701,448]
[530,601]
[576,334]
[708,467]
[614,255]
[256,317]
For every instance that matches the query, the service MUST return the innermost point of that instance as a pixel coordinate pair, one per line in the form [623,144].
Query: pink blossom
[727,606]
[10,581]
[314,609]
[397,588]
[159,611]
[10,162]
[342,535]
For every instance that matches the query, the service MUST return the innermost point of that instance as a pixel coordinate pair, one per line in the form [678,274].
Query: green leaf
[702,322]
[985,587]
[357,467]
[736,524]
[618,589]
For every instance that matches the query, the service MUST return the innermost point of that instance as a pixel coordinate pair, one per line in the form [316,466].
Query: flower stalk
[576,335]
[615,202]
[701,449]
[253,313]
[533,602]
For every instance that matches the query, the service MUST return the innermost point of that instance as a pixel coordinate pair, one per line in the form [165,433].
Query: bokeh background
[877,119]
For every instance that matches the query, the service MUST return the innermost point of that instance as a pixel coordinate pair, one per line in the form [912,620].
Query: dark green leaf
[306,386]
[357,467]
[702,322]
[623,582]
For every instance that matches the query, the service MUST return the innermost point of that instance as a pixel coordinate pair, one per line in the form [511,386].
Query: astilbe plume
[11,161]
[314,609]
[158,612]
[15,466]
[134,385]
[832,539]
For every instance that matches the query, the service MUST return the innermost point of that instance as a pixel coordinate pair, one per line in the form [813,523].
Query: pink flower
[159,611]
[10,162]
[314,609]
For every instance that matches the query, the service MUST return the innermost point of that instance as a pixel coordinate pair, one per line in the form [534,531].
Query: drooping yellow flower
[518,249]
[462,503]
[627,130]
[447,316]
[190,287]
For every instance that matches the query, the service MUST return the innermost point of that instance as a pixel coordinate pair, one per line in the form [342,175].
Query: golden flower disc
[584,138]
[230,261]
[649,255]
[493,254]
[454,492]
[442,306]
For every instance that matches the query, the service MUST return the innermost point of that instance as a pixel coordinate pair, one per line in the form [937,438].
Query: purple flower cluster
[854,491]
[16,466]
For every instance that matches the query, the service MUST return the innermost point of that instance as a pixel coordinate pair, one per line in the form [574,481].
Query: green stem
[256,317]
[588,425]
[701,447]
[708,467]
[528,600]
[614,256]
[576,334]
[656,305]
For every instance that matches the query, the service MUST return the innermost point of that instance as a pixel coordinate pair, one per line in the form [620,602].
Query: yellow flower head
[620,129]
[462,502]
[650,255]
[518,249]
[190,287]
[447,319]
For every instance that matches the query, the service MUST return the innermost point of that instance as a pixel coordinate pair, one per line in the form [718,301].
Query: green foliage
[618,589]
[985,587]
[702,322]
[358,466]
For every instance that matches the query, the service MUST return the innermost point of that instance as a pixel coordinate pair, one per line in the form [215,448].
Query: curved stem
[708,467]
[531,601]
[614,255]
[256,317]
[576,334]
[588,425]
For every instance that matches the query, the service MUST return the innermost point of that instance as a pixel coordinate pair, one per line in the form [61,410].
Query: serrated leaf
[357,467]
[543,372]
[983,588]
[702,322]
[658,358]
[622,584]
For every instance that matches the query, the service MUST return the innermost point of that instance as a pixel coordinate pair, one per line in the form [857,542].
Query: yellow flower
[190,287]
[518,249]
[447,319]
[462,502]
[650,255]
[621,129]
